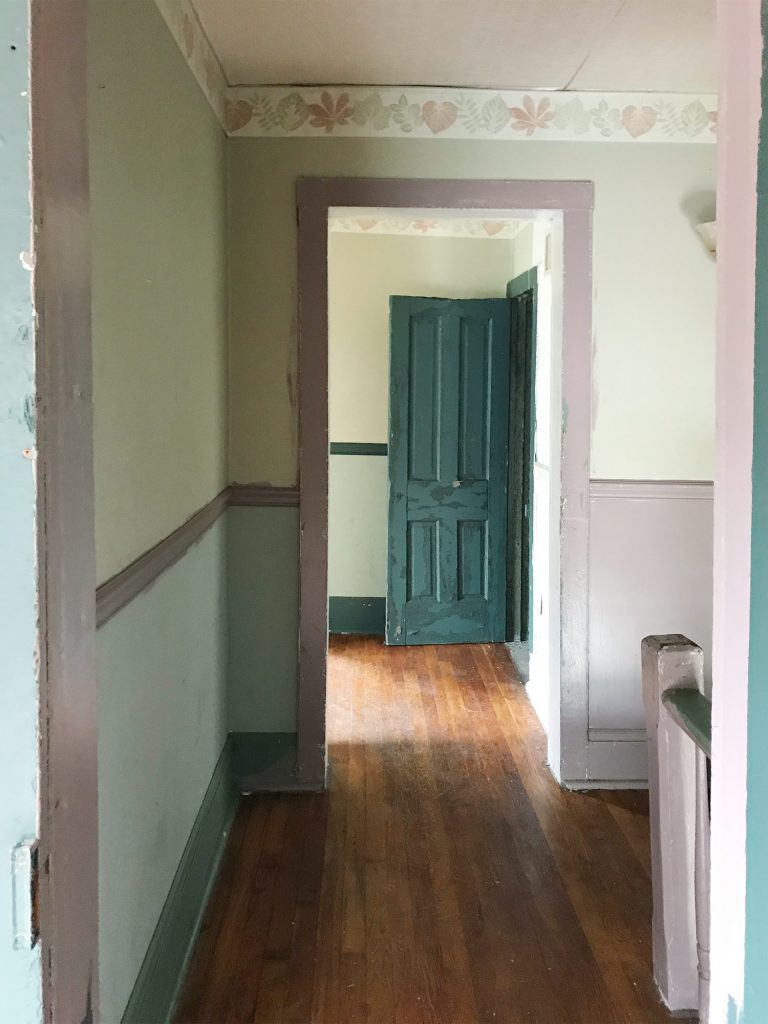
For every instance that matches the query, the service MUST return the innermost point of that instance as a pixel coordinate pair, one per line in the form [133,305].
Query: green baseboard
[266,762]
[165,965]
[361,615]
[357,448]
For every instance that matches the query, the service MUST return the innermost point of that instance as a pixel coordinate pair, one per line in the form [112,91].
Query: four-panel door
[448,440]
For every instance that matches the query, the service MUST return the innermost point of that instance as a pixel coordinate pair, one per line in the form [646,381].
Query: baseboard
[162,973]
[265,762]
[365,616]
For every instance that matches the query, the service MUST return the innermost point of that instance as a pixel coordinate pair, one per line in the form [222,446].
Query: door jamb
[568,735]
[525,282]
[65,513]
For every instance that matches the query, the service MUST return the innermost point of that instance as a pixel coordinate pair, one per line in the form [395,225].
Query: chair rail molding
[116,592]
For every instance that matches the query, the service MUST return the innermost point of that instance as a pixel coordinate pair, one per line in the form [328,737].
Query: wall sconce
[708,234]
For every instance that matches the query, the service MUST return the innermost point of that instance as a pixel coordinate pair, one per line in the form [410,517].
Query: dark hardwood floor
[444,878]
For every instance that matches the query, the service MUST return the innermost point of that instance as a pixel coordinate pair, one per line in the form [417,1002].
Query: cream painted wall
[364,271]
[654,289]
[159,284]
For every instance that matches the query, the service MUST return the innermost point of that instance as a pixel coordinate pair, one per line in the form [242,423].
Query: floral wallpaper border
[434,113]
[371,112]
[181,18]
[447,227]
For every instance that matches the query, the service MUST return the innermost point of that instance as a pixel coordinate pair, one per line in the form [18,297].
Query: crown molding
[345,111]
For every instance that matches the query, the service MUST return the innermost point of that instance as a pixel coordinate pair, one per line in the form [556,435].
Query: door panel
[449,403]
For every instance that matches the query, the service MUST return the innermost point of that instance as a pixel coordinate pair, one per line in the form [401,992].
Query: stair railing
[678,721]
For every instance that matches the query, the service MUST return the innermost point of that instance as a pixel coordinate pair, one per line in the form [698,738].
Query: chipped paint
[20,969]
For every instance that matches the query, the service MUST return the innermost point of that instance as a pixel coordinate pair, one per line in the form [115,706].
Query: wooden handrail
[693,713]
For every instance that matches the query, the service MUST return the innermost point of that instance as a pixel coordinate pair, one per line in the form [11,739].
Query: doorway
[568,205]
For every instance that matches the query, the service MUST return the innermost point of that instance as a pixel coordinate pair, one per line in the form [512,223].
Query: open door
[448,470]
[522,293]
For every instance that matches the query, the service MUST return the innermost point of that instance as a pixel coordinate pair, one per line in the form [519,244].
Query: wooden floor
[444,878]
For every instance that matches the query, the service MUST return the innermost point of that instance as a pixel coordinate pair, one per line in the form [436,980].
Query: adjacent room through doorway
[432,330]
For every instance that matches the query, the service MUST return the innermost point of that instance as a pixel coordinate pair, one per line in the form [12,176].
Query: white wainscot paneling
[650,573]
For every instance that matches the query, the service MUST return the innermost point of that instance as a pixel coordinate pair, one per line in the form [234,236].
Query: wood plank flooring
[444,878]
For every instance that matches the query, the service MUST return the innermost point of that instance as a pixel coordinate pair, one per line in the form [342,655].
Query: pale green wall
[654,284]
[357,526]
[263,581]
[159,345]
[363,272]
[162,726]
[158,190]
[20,990]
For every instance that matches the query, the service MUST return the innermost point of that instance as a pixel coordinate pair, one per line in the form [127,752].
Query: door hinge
[24,875]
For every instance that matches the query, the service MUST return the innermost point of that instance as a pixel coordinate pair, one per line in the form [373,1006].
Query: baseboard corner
[161,976]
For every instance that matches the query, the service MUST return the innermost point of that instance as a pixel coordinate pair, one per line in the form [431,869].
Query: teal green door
[448,440]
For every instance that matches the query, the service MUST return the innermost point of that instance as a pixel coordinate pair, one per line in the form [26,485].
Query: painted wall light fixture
[708,234]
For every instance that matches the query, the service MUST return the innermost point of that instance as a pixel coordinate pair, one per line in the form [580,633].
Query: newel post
[672,662]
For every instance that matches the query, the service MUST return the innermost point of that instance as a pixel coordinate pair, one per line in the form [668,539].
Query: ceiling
[581,45]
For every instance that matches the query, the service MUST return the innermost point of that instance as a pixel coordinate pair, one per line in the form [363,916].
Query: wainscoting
[650,573]
[197,650]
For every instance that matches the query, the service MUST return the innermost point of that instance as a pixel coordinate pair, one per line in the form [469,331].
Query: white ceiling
[589,45]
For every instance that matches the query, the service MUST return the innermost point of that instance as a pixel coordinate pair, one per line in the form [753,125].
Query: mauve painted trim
[124,586]
[263,495]
[676,490]
[315,197]
[69,721]
[444,193]
[121,589]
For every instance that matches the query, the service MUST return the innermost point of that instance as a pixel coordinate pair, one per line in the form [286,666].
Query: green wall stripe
[357,448]
[162,973]
[362,615]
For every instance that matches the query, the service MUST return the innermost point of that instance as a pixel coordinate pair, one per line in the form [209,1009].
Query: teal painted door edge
[357,448]
[523,293]
[162,973]
[364,616]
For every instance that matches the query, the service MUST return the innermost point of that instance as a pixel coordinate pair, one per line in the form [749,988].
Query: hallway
[443,878]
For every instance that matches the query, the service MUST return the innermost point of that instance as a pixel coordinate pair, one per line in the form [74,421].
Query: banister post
[672,661]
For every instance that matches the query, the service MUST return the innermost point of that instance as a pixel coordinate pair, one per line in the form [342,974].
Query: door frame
[528,281]
[568,729]
[68,691]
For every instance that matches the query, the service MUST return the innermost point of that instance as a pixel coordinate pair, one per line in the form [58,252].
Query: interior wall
[364,270]
[20,981]
[654,289]
[158,189]
[159,350]
[653,318]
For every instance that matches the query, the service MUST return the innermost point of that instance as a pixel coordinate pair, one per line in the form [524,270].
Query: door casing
[572,202]
[68,860]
